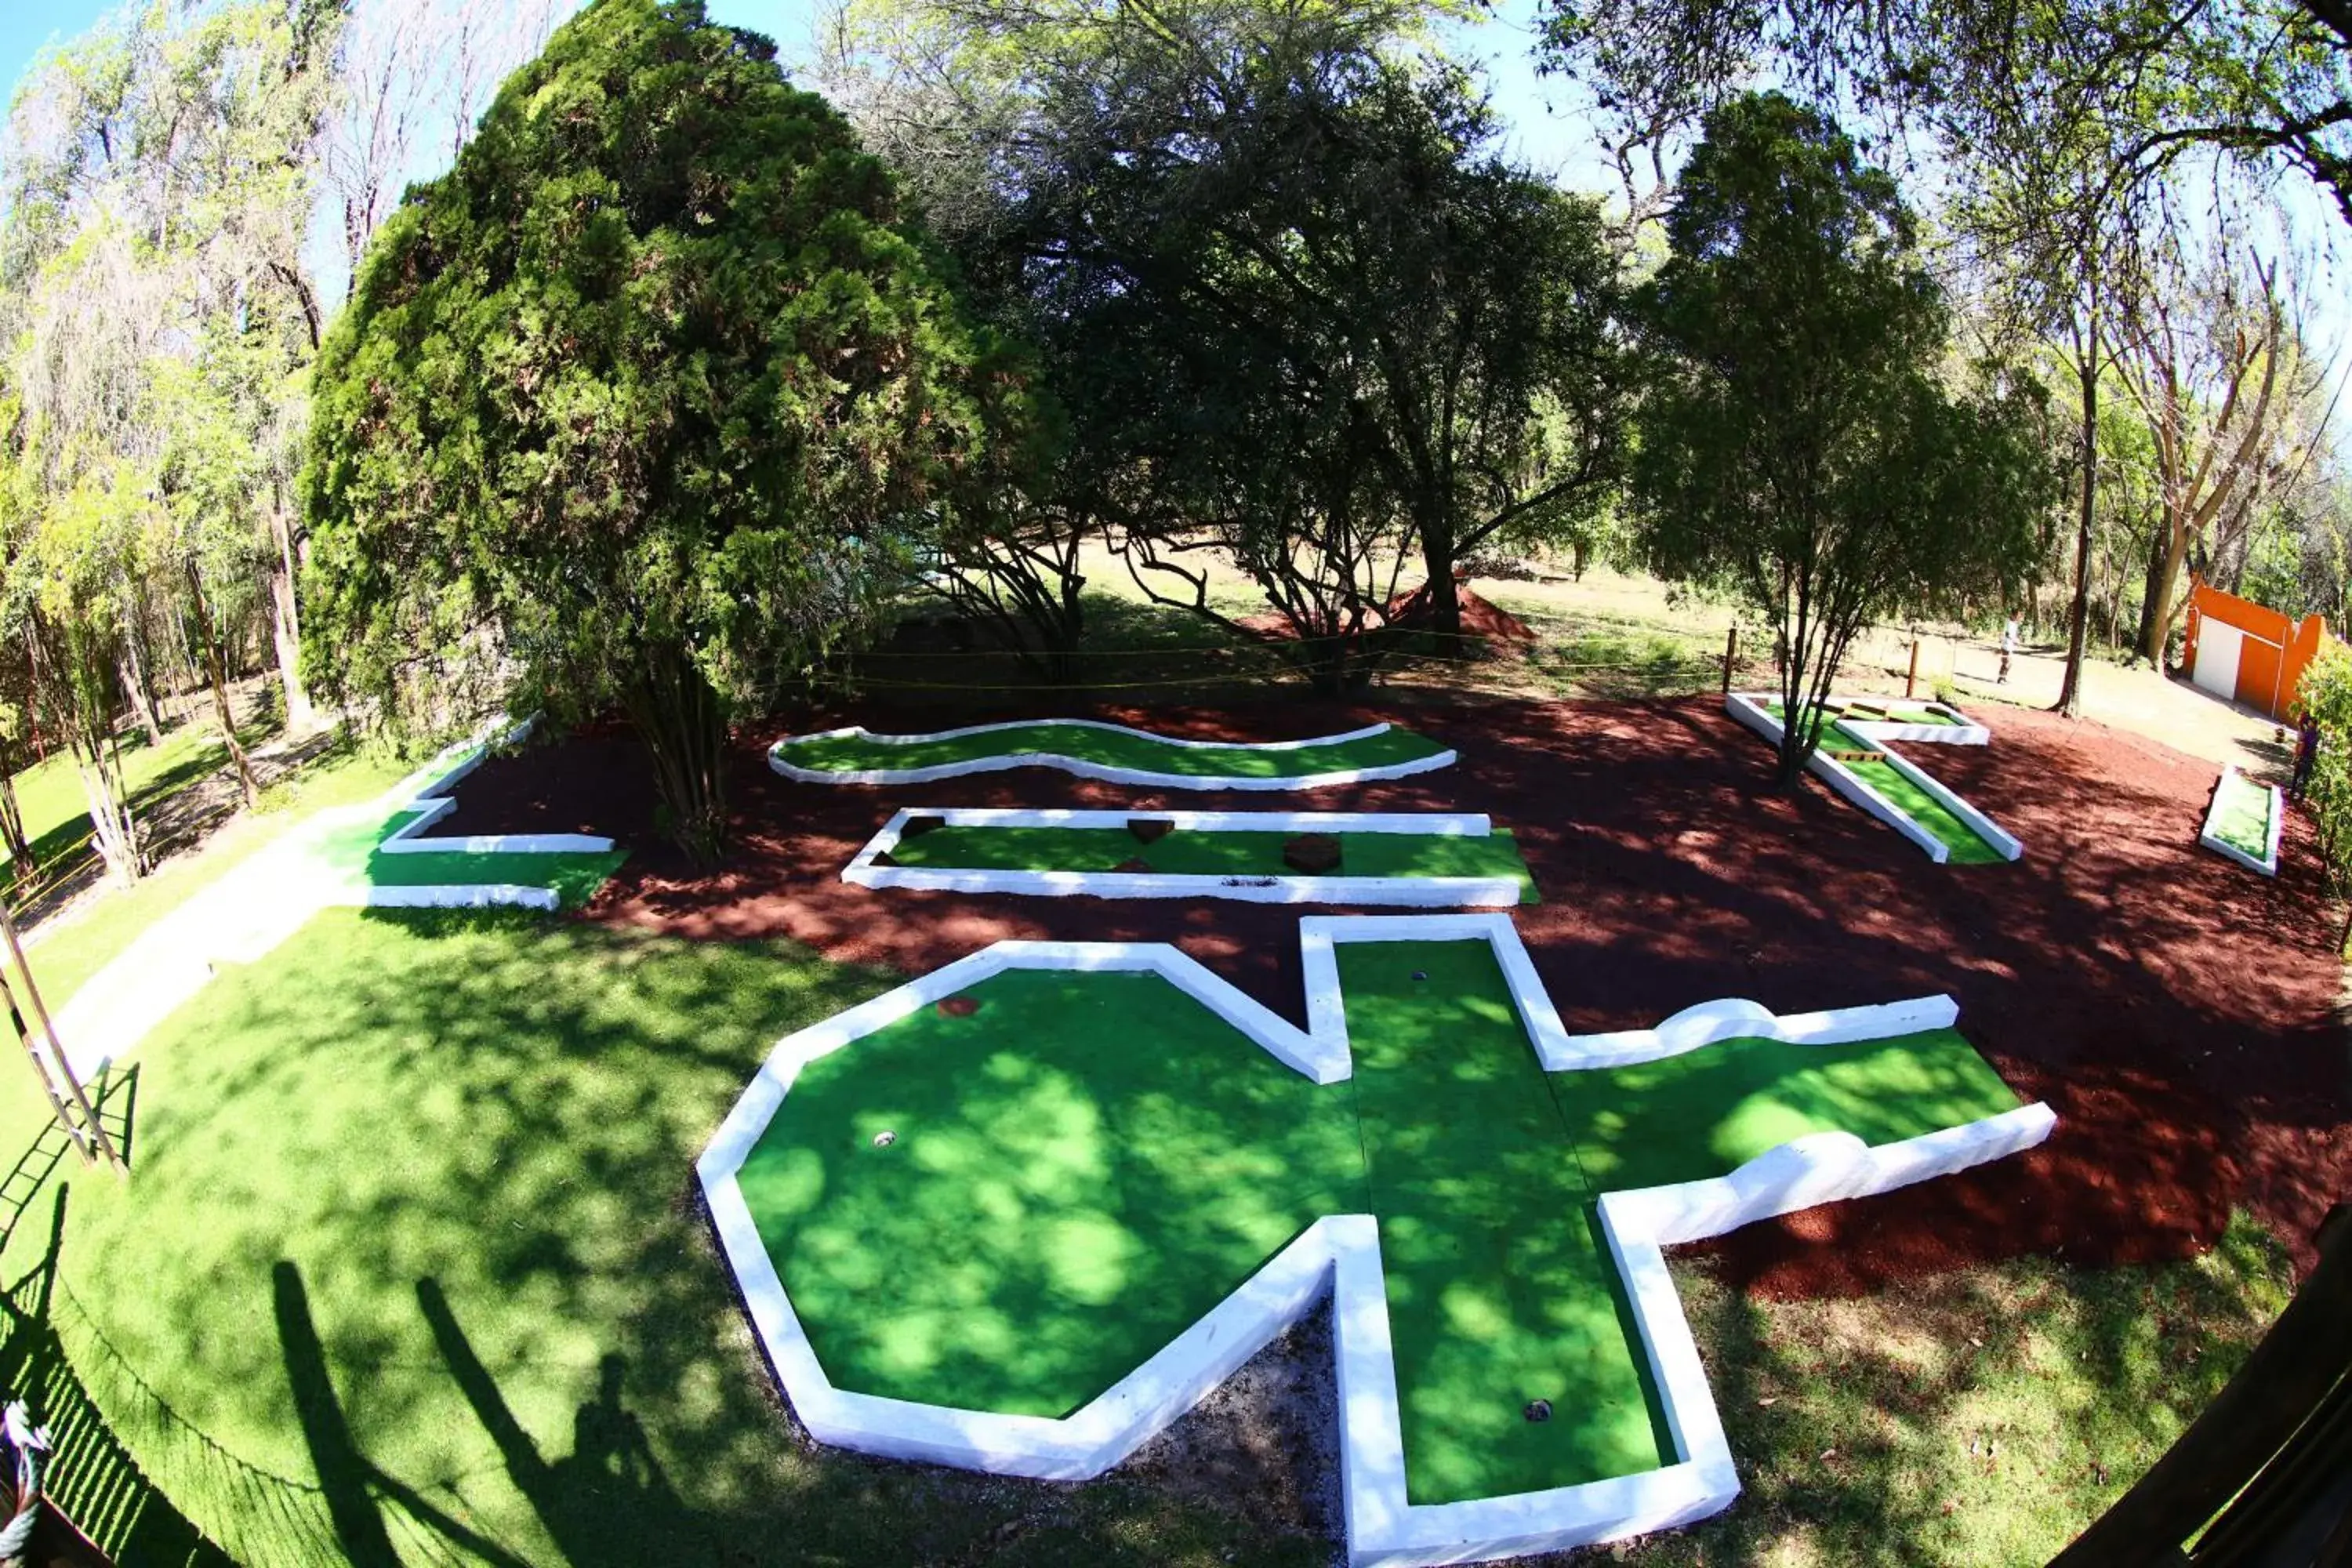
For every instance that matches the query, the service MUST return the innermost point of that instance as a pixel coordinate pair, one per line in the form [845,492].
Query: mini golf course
[2243,822]
[1854,758]
[1113,752]
[1427,859]
[1019,1214]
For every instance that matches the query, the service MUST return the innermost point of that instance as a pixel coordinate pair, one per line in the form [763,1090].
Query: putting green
[1110,748]
[1209,852]
[1087,1163]
[1967,846]
[1895,713]
[2241,815]
[356,853]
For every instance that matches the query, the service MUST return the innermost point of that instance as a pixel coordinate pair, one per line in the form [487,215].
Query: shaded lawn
[412,1216]
[57,813]
[69,949]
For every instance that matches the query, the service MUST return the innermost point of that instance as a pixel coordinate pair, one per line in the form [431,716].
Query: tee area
[1854,758]
[1427,859]
[1116,753]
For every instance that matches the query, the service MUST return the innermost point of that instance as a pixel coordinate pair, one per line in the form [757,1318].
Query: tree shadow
[355,1488]
[607,1502]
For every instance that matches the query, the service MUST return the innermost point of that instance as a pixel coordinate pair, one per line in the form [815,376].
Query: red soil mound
[2176,1012]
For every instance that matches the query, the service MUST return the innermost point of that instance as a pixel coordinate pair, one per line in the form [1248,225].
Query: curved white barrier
[1103,771]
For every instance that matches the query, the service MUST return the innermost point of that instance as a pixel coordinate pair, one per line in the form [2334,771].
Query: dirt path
[2176,1012]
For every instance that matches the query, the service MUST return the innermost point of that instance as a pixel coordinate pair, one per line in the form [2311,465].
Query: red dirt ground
[2177,1011]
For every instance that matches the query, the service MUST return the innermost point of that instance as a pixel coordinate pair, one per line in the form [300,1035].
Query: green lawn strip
[1113,748]
[1082,1168]
[1498,1292]
[1709,1111]
[57,814]
[351,851]
[1200,852]
[69,949]
[2244,818]
[1967,847]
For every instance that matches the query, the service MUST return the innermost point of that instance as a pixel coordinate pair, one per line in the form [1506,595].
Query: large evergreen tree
[1798,445]
[642,404]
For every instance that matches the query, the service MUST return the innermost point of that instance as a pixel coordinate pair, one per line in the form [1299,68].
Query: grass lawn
[69,949]
[850,754]
[57,814]
[410,1270]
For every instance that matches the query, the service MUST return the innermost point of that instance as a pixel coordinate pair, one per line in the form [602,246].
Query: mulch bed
[2178,1012]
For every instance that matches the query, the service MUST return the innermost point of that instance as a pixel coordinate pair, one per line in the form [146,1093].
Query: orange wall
[2267,674]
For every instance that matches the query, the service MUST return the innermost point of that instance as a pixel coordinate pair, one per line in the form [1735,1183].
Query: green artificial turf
[1115,748]
[1082,1169]
[2242,817]
[1499,1288]
[1709,1111]
[410,1271]
[1966,847]
[1897,713]
[1206,853]
[353,852]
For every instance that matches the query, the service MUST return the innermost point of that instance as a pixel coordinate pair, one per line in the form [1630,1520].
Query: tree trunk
[214,673]
[112,828]
[139,688]
[1445,594]
[286,629]
[12,819]
[2078,622]
[679,719]
[2147,592]
[2155,618]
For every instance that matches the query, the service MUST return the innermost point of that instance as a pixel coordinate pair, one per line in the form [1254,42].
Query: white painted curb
[259,904]
[1749,709]
[1087,770]
[1342,1252]
[1281,888]
[2209,836]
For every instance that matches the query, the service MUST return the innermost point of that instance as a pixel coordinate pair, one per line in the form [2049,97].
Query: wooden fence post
[1911,681]
[1730,655]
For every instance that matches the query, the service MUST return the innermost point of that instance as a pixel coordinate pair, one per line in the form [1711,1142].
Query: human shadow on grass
[609,1499]
[352,1482]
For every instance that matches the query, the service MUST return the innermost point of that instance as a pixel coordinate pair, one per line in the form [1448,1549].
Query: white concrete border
[432,802]
[1280,888]
[1749,709]
[1385,1530]
[2209,836]
[260,903]
[1087,770]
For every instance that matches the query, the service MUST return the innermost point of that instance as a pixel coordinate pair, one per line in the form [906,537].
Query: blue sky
[27,24]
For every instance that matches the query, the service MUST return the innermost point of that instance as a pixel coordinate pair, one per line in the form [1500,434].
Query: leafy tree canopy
[649,397]
[1798,444]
